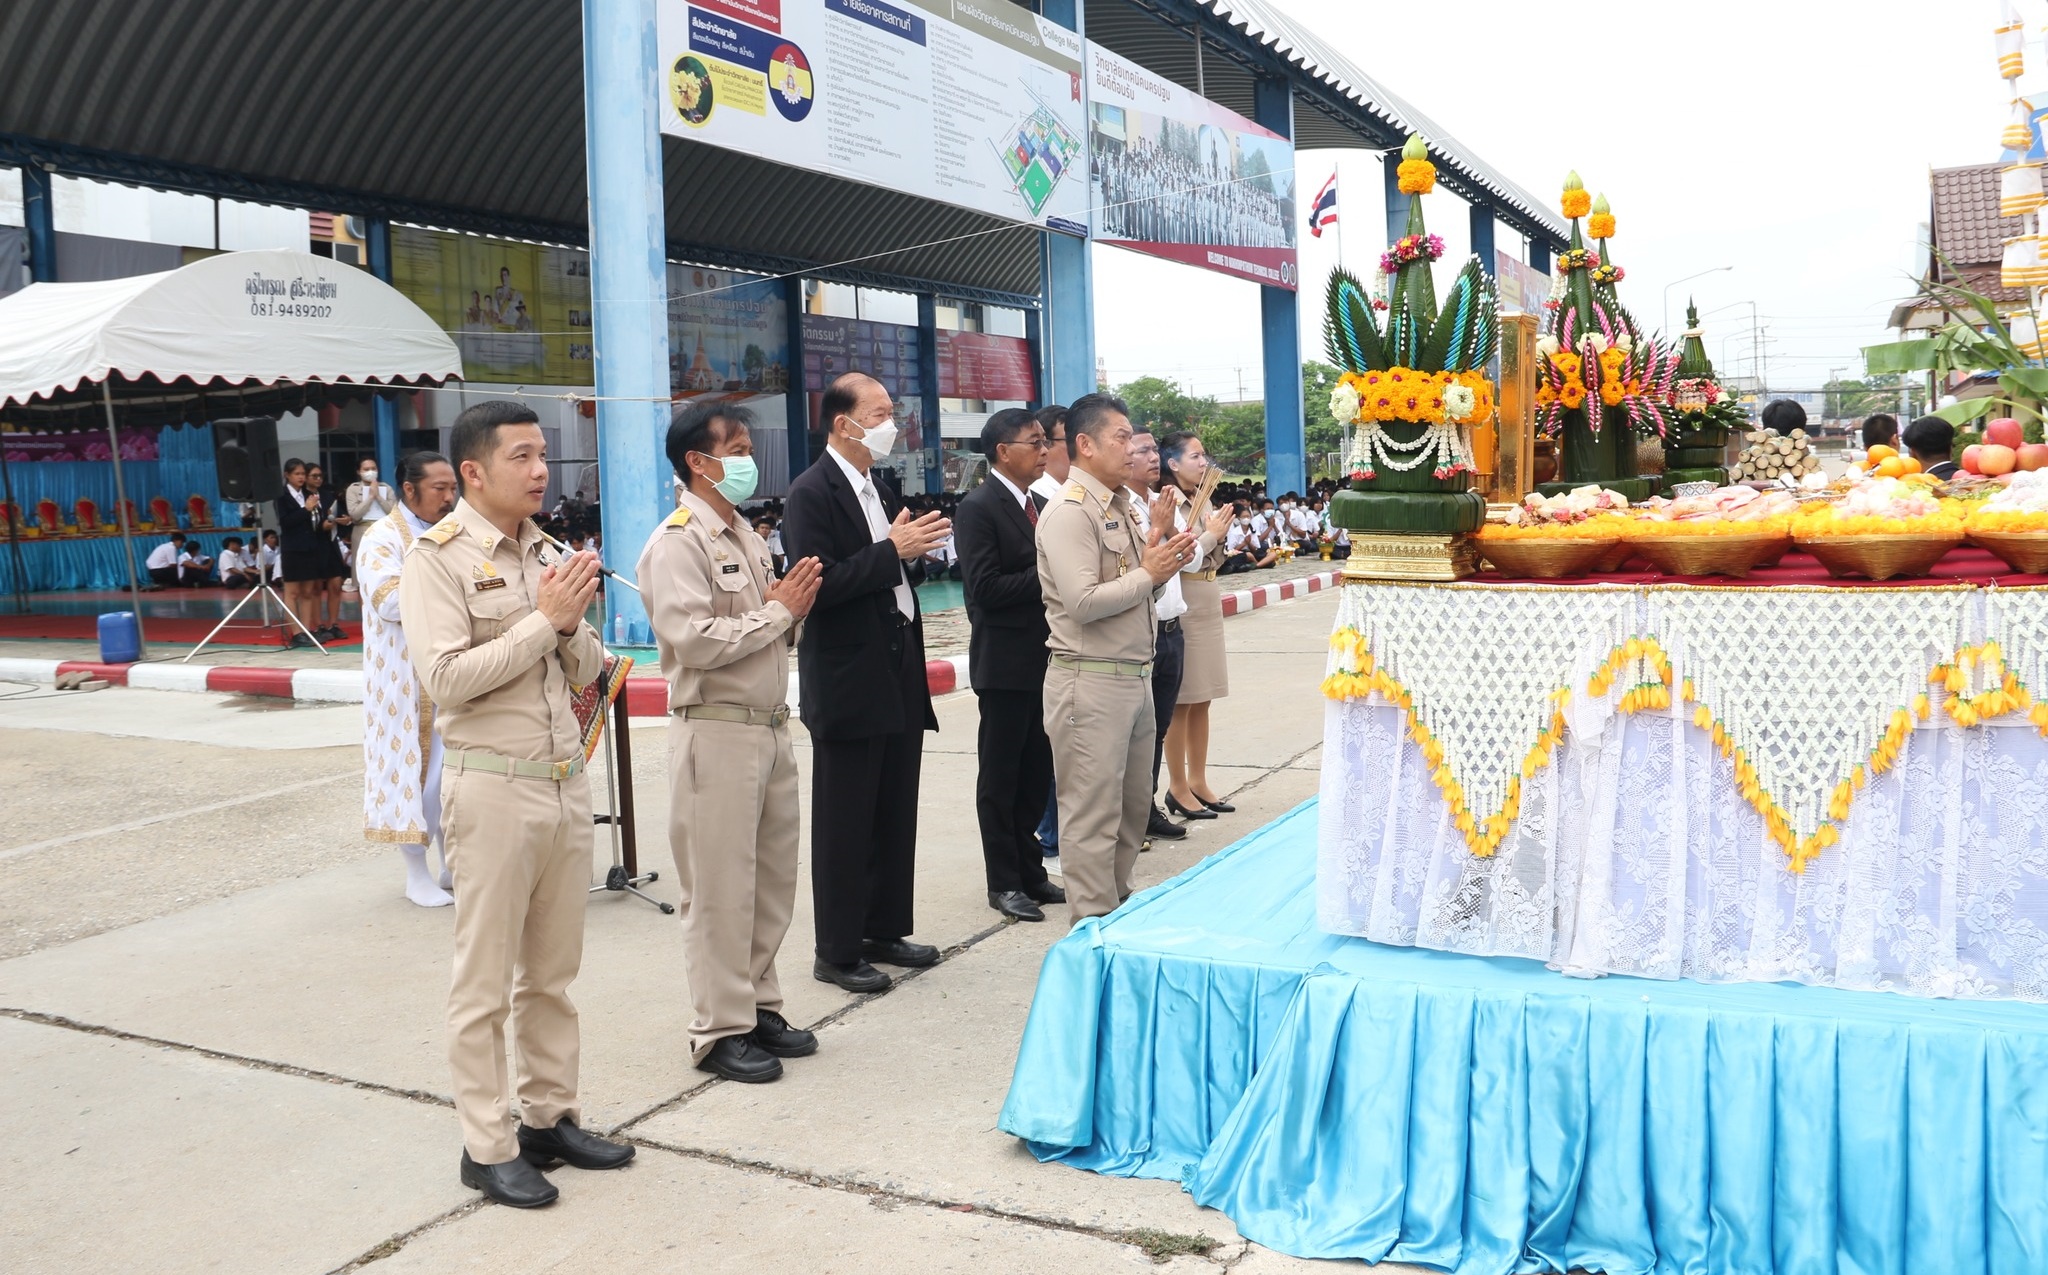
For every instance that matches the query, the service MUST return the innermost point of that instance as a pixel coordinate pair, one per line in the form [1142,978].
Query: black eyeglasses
[1042,444]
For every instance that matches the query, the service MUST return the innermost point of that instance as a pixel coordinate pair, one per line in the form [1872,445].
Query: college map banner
[969,102]
[1177,176]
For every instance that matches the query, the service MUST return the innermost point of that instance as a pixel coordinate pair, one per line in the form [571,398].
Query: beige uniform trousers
[733,824]
[519,850]
[1101,731]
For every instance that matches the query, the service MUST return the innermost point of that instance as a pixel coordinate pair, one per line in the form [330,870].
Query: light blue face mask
[741,477]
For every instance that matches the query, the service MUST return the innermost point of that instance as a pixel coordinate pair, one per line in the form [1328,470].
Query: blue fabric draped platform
[1339,1098]
[94,563]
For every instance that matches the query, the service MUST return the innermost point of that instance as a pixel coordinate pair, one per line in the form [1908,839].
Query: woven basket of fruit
[1878,557]
[1544,557]
[1719,555]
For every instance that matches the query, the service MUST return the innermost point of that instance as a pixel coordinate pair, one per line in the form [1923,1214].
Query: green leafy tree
[1158,402]
[1325,435]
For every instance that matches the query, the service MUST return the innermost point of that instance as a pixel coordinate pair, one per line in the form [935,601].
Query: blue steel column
[928,377]
[384,411]
[628,289]
[1397,203]
[1280,330]
[1539,254]
[40,213]
[1482,235]
[797,398]
[1067,280]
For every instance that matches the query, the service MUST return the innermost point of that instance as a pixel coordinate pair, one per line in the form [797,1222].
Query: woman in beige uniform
[1205,673]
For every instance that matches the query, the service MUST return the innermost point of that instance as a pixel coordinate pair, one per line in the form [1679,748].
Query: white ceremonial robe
[401,748]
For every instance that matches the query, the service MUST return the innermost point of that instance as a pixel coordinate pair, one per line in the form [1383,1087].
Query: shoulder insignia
[442,532]
[680,518]
[1076,493]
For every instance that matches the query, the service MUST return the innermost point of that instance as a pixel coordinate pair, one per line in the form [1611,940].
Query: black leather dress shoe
[900,952]
[1046,892]
[773,1033]
[514,1182]
[857,977]
[1199,812]
[570,1145]
[739,1058]
[1160,828]
[1220,807]
[1015,903]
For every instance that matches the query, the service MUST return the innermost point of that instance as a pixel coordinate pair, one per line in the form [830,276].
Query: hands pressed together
[914,538]
[798,589]
[566,590]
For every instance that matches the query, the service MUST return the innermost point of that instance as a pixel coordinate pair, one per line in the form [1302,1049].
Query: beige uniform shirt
[706,584]
[1097,595]
[498,673]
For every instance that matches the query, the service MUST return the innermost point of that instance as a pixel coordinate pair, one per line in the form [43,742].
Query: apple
[2033,456]
[1995,459]
[2005,432]
[1968,460]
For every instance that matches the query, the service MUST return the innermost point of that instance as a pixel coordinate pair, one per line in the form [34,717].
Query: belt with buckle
[492,764]
[734,713]
[1169,626]
[1210,574]
[1113,668]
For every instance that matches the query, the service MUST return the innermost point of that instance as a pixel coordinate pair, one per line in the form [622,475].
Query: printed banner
[885,351]
[984,366]
[970,102]
[1522,287]
[1177,176]
[518,311]
[727,333]
[137,443]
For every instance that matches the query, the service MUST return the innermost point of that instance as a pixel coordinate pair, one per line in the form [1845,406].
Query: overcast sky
[1788,138]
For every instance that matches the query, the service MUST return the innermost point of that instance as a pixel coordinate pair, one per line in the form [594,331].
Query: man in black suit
[1006,656]
[862,689]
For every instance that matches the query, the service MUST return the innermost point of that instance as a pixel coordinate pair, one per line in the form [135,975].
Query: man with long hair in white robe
[401,748]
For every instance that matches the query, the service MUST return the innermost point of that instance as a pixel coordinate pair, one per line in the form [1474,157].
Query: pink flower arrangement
[1411,248]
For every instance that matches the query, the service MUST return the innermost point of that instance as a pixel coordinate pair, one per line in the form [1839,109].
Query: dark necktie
[1030,512]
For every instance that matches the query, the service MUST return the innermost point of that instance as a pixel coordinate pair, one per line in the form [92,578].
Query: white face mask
[369,476]
[881,439]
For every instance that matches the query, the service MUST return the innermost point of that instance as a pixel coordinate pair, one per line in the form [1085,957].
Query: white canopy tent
[238,334]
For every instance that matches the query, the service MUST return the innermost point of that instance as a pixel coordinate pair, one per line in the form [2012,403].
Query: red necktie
[1030,512]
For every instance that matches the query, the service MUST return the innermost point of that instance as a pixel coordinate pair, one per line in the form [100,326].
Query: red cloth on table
[1965,565]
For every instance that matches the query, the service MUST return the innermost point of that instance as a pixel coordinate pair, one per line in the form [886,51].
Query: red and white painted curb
[645,696]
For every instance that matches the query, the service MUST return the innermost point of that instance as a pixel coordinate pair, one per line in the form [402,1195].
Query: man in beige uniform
[725,625]
[494,620]
[1100,578]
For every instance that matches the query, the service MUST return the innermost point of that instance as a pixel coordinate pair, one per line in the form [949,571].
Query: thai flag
[1324,213]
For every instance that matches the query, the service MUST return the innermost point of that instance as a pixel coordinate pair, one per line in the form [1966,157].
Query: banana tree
[1964,347]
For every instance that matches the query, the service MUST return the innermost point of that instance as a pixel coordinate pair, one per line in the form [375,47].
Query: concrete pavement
[225,1025]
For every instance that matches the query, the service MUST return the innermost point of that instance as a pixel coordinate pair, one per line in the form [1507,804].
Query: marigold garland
[1416,177]
[2008,521]
[1644,660]
[1576,203]
[1600,226]
[1418,398]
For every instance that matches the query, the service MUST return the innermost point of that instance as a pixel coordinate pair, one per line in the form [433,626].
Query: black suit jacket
[297,532]
[999,571]
[853,680]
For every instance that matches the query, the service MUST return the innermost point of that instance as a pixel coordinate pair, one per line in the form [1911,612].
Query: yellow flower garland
[1406,395]
[1652,691]
[1415,177]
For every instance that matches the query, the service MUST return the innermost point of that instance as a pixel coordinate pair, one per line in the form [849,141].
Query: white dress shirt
[878,524]
[1170,604]
[164,555]
[1047,486]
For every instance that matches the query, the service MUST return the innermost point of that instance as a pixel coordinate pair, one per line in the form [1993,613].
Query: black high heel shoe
[1220,807]
[1201,811]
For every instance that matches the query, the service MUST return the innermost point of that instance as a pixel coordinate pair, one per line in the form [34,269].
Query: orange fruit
[1912,464]
[1891,467]
[1882,452]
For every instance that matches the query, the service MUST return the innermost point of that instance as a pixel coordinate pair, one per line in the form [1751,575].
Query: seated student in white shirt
[195,569]
[269,563]
[237,568]
[162,562]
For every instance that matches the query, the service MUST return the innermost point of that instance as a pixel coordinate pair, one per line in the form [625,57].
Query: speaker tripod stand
[269,596]
[625,875]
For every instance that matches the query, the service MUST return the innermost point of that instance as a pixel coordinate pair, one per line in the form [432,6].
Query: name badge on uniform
[729,568]
[490,582]
[1111,525]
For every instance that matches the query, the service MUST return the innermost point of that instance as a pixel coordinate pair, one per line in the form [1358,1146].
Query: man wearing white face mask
[863,693]
[724,625]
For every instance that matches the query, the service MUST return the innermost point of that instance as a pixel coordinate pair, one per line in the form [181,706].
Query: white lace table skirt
[1636,854]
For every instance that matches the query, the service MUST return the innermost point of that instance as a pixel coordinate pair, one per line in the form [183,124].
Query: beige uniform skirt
[1205,671]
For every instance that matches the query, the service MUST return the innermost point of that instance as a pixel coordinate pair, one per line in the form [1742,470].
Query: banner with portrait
[1175,175]
[518,311]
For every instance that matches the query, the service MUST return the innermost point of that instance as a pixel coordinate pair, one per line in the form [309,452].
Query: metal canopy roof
[468,114]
